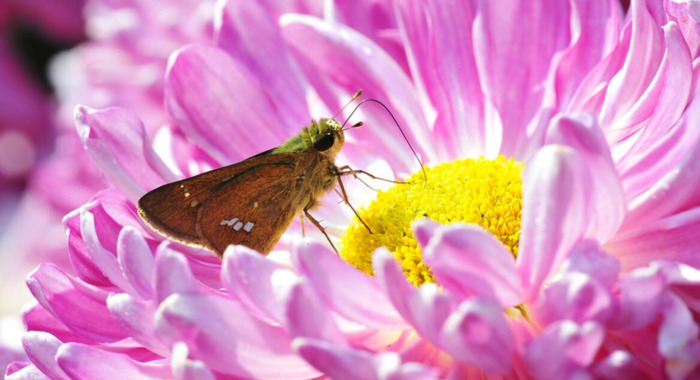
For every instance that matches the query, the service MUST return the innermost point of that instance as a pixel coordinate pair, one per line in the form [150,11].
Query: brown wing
[255,221]
[175,209]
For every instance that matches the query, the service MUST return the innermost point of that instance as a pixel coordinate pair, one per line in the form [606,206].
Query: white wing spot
[228,222]
[238,226]
[248,226]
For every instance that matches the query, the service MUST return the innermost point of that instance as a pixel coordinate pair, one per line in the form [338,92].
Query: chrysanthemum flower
[591,271]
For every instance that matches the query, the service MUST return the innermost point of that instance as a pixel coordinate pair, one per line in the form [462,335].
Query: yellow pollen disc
[480,191]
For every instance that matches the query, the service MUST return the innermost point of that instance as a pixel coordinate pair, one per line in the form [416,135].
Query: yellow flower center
[480,191]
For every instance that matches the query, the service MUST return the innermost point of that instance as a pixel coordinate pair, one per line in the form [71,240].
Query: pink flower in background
[601,109]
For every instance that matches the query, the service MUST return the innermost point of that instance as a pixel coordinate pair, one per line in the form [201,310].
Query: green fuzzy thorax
[308,136]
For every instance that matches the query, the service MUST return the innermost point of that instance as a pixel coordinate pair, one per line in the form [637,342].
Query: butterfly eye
[324,143]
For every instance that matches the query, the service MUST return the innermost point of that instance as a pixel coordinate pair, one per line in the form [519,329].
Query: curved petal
[223,335]
[41,348]
[83,308]
[346,290]
[37,318]
[576,297]
[580,131]
[247,31]
[563,350]
[589,258]
[678,339]
[442,62]
[595,32]
[105,260]
[86,362]
[136,261]
[317,42]
[671,238]
[28,372]
[470,262]
[641,298]
[220,104]
[348,363]
[308,318]
[477,334]
[172,274]
[184,368]
[629,97]
[673,93]
[258,283]
[138,318]
[620,365]
[556,211]
[512,68]
[425,308]
[685,14]
[117,142]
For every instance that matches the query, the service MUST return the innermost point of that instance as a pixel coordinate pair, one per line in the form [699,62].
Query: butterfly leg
[347,170]
[344,197]
[319,226]
[303,230]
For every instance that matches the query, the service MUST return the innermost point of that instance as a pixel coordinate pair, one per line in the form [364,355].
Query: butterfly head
[327,137]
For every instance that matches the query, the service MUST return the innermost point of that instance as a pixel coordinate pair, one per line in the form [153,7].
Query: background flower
[601,110]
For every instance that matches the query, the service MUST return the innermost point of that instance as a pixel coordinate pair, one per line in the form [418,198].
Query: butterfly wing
[258,222]
[177,210]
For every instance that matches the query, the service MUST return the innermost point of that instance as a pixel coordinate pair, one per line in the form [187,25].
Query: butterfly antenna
[425,175]
[354,97]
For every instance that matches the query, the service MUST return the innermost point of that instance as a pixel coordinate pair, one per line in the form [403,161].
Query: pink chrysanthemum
[600,109]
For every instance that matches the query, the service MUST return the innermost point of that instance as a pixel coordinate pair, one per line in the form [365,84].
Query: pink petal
[589,258]
[136,261]
[137,317]
[630,85]
[105,260]
[564,350]
[471,262]
[512,68]
[116,140]
[581,132]
[596,30]
[678,339]
[672,238]
[677,165]
[576,297]
[619,365]
[425,308]
[81,361]
[184,368]
[365,65]
[248,32]
[330,277]
[682,13]
[41,348]
[477,334]
[674,93]
[29,372]
[80,306]
[84,267]
[223,335]
[308,318]
[556,211]
[348,363]
[257,282]
[36,318]
[447,74]
[641,299]
[684,281]
[172,274]
[220,104]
